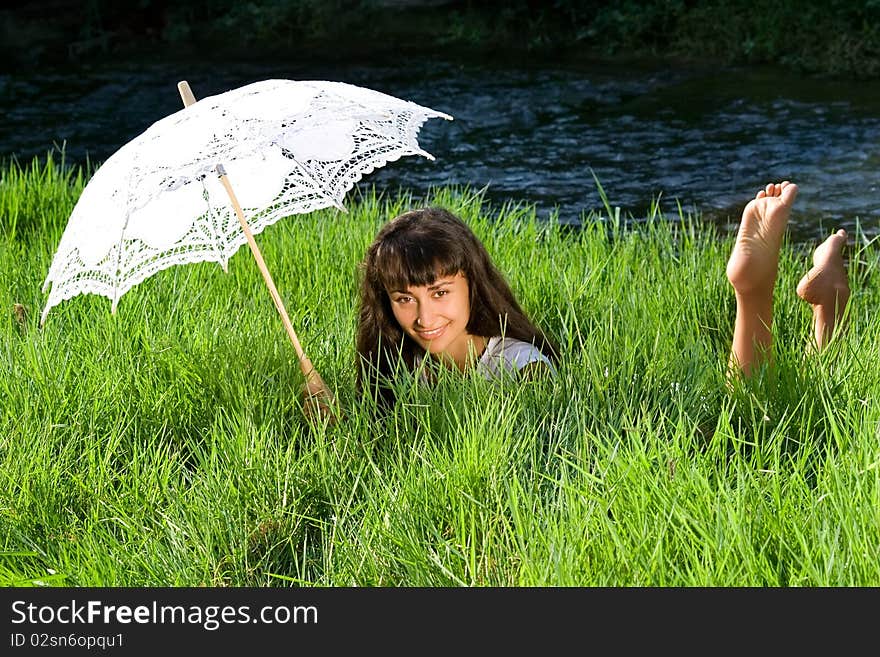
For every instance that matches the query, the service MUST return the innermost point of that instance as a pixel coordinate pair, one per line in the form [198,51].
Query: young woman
[429,289]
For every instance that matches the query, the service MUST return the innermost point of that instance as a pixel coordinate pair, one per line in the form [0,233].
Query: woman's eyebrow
[440,283]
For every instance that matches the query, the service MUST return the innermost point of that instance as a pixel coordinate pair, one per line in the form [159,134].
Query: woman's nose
[424,317]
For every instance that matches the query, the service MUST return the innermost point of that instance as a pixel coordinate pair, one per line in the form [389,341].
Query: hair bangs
[409,261]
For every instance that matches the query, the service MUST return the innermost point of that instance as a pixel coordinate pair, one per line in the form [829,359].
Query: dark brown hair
[415,249]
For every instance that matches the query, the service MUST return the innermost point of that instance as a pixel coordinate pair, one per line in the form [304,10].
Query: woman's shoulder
[511,355]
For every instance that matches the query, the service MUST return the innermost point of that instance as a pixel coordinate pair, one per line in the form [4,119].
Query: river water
[536,133]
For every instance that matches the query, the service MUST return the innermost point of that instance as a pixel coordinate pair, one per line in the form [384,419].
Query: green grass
[165,445]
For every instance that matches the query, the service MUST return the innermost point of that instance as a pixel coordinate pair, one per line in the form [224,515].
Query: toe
[789,193]
[838,238]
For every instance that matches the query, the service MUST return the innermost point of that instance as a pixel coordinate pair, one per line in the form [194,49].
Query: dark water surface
[708,139]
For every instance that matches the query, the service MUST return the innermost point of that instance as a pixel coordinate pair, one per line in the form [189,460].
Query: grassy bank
[165,445]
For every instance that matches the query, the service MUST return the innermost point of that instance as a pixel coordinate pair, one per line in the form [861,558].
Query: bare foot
[827,280]
[826,287]
[752,269]
[754,261]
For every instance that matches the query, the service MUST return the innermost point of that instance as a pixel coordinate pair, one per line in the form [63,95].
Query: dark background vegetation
[828,37]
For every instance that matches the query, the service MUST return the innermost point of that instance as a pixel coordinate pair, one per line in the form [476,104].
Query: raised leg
[826,288]
[752,270]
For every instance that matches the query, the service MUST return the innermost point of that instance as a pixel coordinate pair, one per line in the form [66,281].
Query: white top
[509,355]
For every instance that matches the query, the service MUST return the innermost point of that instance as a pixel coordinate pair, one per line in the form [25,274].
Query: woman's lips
[432,334]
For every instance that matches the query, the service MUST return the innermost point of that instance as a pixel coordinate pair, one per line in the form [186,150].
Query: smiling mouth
[432,334]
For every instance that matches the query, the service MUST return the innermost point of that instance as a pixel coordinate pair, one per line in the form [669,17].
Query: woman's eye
[441,293]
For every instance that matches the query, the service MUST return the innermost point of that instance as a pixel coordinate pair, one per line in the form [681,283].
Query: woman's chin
[434,347]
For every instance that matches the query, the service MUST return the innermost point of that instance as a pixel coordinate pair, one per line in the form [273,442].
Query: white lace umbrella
[165,198]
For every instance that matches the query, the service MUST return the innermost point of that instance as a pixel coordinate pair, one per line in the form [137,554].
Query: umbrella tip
[45,314]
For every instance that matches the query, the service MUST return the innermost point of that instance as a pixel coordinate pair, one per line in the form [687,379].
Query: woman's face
[436,315]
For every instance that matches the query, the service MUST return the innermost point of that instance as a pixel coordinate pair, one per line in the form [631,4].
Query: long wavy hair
[415,249]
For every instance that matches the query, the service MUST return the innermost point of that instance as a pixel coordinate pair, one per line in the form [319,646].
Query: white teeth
[432,332]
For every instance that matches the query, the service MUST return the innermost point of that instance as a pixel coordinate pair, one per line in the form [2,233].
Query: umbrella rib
[317,184]
[217,234]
